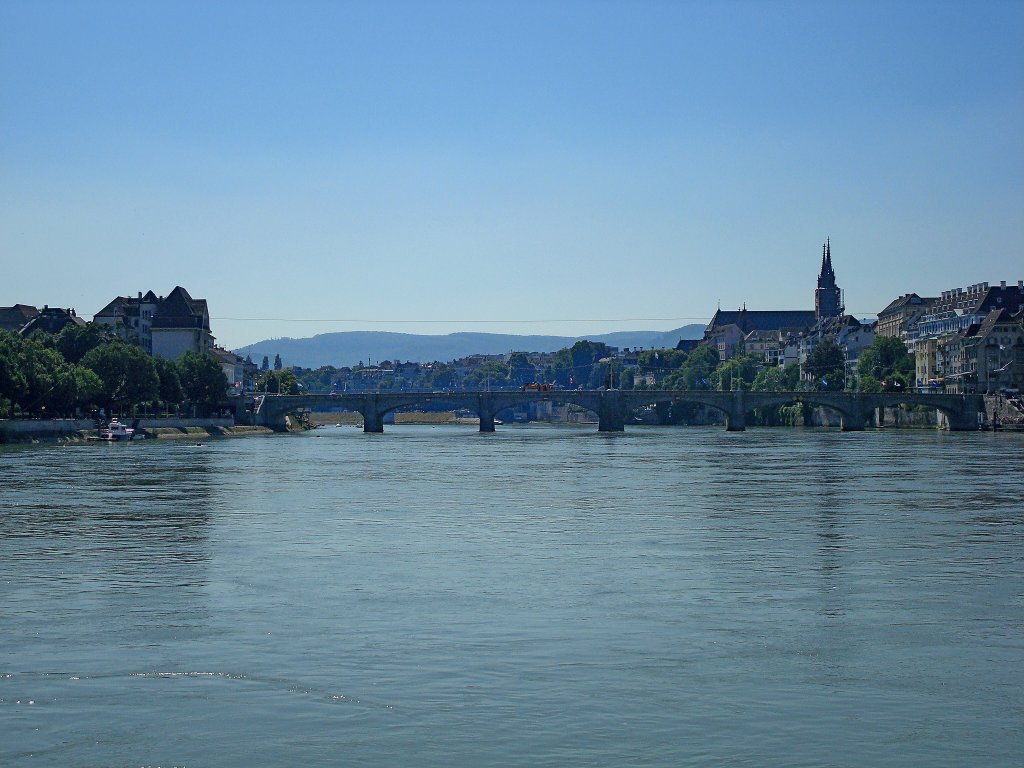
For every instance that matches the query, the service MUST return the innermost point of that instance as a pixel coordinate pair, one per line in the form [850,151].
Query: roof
[992,319]
[52,320]
[14,318]
[980,299]
[762,320]
[179,310]
[907,299]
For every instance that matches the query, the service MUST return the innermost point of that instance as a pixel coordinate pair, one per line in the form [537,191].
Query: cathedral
[728,327]
[828,299]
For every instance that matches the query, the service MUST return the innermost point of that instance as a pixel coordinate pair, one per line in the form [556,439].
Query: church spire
[828,297]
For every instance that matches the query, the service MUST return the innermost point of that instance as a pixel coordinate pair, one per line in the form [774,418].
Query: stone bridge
[613,406]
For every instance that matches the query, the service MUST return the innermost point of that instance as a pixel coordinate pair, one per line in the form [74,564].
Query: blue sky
[548,167]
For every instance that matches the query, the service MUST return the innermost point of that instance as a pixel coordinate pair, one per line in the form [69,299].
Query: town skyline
[562,169]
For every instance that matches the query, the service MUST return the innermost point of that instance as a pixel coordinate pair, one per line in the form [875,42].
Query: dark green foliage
[277,383]
[886,360]
[127,373]
[738,373]
[202,379]
[74,341]
[825,365]
[695,372]
[777,379]
[169,374]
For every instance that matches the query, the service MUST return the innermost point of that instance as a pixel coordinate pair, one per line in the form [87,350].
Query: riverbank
[80,430]
[354,419]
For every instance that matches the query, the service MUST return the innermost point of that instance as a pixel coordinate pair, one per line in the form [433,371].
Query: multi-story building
[942,338]
[164,326]
[958,309]
[131,318]
[902,314]
[181,324]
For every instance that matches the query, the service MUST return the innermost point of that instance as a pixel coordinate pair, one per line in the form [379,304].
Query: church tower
[828,300]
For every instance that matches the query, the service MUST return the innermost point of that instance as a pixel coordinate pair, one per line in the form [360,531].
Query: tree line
[885,364]
[85,368]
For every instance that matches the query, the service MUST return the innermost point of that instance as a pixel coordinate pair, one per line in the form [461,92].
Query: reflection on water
[540,596]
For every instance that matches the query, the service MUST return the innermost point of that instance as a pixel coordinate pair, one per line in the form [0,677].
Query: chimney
[1002,283]
[140,295]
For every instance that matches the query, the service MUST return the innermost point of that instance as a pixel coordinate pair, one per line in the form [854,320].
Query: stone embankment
[1006,413]
[71,430]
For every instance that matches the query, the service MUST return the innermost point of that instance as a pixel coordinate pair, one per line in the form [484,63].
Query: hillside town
[966,340]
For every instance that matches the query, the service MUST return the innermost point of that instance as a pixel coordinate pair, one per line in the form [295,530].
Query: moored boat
[115,431]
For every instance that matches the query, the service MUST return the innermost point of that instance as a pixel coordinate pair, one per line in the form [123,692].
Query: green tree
[74,341]
[202,379]
[695,372]
[775,379]
[493,374]
[277,383]
[660,360]
[88,387]
[826,365]
[128,374]
[13,382]
[520,369]
[737,373]
[169,373]
[885,360]
[277,363]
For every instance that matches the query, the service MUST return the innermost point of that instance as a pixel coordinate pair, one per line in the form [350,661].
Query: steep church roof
[748,320]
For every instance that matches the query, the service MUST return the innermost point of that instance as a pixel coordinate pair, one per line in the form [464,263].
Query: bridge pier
[965,418]
[485,408]
[852,419]
[849,423]
[736,416]
[373,415]
[611,413]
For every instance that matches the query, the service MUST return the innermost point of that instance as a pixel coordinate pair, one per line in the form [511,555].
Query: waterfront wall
[24,430]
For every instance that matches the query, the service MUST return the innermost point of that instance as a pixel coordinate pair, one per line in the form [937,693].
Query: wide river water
[540,596]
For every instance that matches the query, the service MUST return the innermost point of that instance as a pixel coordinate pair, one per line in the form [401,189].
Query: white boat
[114,431]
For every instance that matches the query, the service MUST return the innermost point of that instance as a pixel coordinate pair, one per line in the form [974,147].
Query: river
[541,596]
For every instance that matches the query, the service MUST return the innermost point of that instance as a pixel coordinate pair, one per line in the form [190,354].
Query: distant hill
[350,347]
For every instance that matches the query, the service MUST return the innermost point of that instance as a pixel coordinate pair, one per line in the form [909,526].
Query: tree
[885,360]
[826,365]
[775,379]
[13,382]
[696,372]
[737,373]
[265,366]
[128,374]
[277,383]
[169,374]
[520,369]
[202,379]
[277,363]
[74,341]
[660,360]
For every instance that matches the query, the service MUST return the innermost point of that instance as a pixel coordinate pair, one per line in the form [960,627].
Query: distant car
[534,386]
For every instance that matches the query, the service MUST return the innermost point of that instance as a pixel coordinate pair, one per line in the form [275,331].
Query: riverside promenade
[613,406]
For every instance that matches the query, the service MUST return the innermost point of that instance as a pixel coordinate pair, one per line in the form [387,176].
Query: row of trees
[589,365]
[85,368]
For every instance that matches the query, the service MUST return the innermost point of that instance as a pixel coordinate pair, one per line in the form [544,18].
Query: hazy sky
[441,166]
